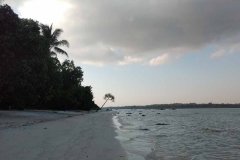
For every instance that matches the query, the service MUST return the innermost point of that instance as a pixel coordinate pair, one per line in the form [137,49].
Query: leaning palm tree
[107,97]
[52,38]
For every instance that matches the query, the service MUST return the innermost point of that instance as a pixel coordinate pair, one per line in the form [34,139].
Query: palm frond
[52,53]
[46,30]
[53,39]
[59,50]
[61,43]
[50,27]
[57,33]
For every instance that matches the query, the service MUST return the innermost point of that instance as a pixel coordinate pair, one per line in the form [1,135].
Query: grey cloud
[142,27]
[148,28]
[96,54]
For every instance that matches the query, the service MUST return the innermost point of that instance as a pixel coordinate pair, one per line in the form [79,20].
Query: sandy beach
[37,135]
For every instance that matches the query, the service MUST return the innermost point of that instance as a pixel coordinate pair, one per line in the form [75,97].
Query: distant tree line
[30,76]
[180,106]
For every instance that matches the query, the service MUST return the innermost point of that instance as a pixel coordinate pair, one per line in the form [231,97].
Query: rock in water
[161,124]
[144,129]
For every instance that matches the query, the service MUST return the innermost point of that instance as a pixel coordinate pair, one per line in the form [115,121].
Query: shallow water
[187,134]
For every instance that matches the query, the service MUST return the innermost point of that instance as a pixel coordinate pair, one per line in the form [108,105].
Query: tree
[30,78]
[72,77]
[22,61]
[87,98]
[107,97]
[53,41]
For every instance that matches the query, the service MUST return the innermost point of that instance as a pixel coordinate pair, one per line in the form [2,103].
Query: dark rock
[161,124]
[144,129]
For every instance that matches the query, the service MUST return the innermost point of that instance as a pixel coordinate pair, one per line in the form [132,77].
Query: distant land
[179,106]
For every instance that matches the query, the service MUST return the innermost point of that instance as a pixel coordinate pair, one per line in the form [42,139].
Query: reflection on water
[190,134]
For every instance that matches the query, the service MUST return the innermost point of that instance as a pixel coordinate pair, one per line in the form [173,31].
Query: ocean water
[182,134]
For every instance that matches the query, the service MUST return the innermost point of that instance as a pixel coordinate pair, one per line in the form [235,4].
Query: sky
[149,51]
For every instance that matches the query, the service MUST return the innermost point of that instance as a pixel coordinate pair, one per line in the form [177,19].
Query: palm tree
[107,97]
[54,43]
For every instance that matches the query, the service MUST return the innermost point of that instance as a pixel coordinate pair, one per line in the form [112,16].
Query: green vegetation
[31,77]
[53,41]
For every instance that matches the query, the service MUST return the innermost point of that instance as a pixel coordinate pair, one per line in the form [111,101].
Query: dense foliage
[30,78]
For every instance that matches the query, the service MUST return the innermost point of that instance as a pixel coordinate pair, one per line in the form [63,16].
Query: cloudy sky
[149,51]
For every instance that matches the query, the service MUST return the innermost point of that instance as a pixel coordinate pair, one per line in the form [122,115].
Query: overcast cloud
[148,31]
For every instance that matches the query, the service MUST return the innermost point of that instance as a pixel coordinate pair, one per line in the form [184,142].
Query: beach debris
[143,115]
[44,128]
[161,124]
[128,113]
[158,113]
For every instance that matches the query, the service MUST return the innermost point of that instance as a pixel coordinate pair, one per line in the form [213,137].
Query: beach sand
[41,135]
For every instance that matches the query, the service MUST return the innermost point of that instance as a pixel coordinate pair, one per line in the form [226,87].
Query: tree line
[181,106]
[31,75]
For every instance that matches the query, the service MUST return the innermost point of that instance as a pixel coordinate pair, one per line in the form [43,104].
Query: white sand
[81,137]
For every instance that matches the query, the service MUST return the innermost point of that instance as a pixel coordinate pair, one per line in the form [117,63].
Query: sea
[181,134]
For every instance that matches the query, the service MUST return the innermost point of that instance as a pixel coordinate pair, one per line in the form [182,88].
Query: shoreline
[123,139]
[86,136]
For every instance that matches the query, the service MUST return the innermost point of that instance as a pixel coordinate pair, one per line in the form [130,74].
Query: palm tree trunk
[104,103]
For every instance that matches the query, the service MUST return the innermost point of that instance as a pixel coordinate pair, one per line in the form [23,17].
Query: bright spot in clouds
[218,54]
[165,58]
[44,11]
[129,59]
